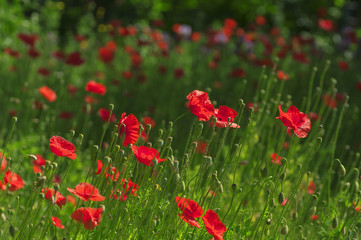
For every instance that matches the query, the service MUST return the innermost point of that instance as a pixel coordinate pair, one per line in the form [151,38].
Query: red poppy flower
[15,181]
[178,73]
[40,161]
[146,155]
[282,76]
[105,115]
[57,179]
[44,72]
[60,200]
[94,87]
[260,20]
[62,148]
[130,125]
[190,211]
[223,114]
[343,65]
[314,116]
[71,89]
[71,200]
[57,222]
[86,192]
[74,59]
[89,217]
[47,93]
[325,24]
[200,105]
[237,73]
[295,120]
[329,101]
[12,52]
[28,39]
[59,55]
[276,159]
[127,74]
[213,224]
[129,187]
[201,147]
[311,188]
[3,162]
[32,52]
[65,115]
[136,59]
[105,55]
[80,38]
[196,36]
[146,121]
[314,217]
[284,202]
[358,86]
[301,57]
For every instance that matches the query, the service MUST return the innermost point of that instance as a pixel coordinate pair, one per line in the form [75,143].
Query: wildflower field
[153,129]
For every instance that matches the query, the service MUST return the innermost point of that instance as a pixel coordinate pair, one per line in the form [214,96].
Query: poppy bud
[111,107]
[354,175]
[3,217]
[264,172]
[53,199]
[160,133]
[12,230]
[183,186]
[207,160]
[33,157]
[281,198]
[356,186]
[283,176]
[313,210]
[220,186]
[55,165]
[155,162]
[72,133]
[272,203]
[96,147]
[268,221]
[159,143]
[284,230]
[295,216]
[314,199]
[334,222]
[234,187]
[177,177]
[149,145]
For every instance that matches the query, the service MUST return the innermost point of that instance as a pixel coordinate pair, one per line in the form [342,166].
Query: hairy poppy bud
[264,172]
[159,143]
[313,210]
[12,230]
[283,176]
[284,230]
[281,198]
[334,222]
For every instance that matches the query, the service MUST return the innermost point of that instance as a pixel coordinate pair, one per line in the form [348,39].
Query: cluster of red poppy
[202,107]
[191,210]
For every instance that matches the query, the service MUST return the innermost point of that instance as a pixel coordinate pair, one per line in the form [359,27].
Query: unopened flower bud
[281,198]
